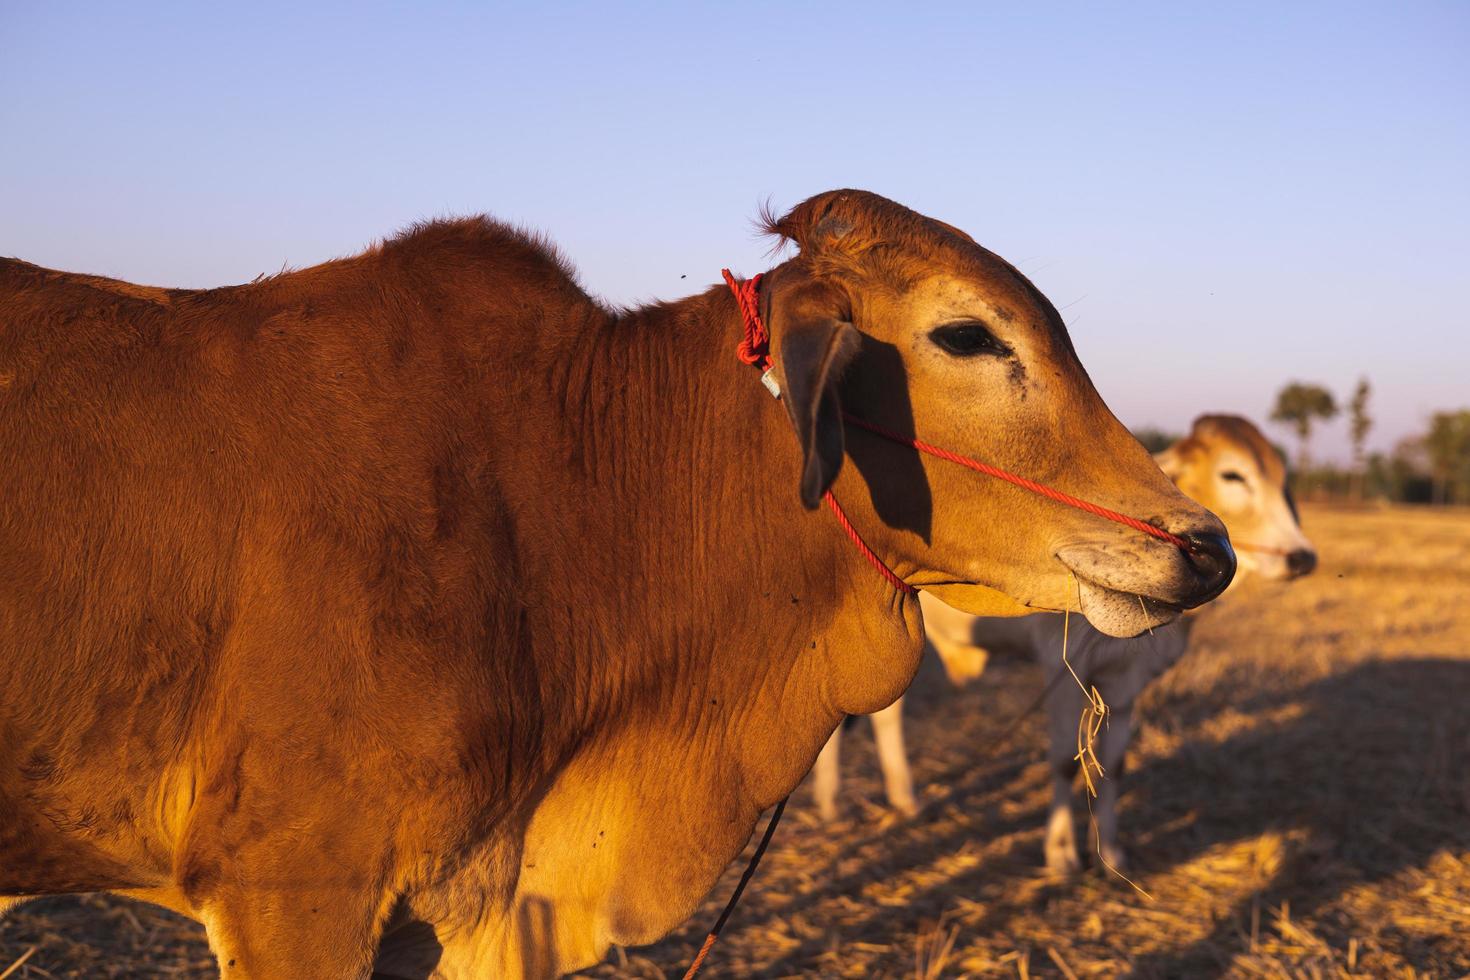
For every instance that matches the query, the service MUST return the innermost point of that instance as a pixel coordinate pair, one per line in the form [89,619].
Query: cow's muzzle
[1213,562]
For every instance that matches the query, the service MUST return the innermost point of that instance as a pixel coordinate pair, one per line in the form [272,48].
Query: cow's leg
[287,881]
[827,777]
[1061,831]
[898,781]
[1112,751]
[1063,710]
[259,933]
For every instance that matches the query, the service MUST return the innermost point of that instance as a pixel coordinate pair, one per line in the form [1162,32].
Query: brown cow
[414,610]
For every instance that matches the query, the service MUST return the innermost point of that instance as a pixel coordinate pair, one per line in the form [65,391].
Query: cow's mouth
[1121,613]
[1117,612]
[1122,587]
[1124,592]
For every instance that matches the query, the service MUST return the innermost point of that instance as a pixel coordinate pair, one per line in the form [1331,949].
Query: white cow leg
[898,780]
[1063,706]
[827,776]
[1062,857]
[1112,753]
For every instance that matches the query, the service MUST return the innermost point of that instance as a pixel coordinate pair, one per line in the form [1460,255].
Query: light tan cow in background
[1224,463]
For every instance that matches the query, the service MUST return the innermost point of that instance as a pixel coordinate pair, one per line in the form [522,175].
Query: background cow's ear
[1171,461]
[815,342]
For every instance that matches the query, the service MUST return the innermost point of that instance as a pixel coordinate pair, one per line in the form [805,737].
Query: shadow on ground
[1365,779]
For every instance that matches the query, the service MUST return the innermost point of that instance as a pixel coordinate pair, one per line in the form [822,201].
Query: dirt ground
[1297,805]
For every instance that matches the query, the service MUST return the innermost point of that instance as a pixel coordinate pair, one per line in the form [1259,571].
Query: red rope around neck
[864,550]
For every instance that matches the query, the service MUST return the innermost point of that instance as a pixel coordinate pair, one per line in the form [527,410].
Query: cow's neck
[710,576]
[719,631]
[716,554]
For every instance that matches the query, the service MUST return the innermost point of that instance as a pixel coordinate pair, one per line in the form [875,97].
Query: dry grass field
[1298,805]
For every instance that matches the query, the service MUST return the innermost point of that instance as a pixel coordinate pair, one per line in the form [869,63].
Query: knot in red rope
[755,346]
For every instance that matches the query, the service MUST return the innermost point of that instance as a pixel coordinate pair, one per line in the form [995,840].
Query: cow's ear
[1171,461]
[814,341]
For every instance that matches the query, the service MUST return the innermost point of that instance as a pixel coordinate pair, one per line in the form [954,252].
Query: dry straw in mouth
[1090,723]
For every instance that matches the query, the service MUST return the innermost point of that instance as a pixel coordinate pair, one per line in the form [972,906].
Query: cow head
[1228,465]
[907,322]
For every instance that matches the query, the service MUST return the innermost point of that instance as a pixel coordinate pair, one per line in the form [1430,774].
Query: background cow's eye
[967,340]
[1232,476]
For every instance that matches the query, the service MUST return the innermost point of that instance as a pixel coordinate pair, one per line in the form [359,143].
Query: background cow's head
[908,323]
[1229,466]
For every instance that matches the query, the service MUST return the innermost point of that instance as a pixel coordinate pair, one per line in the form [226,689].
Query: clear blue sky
[1219,198]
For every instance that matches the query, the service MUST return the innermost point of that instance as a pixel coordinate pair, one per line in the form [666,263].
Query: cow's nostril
[1212,557]
[1301,562]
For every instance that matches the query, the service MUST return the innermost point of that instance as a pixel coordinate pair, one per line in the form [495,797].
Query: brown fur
[415,608]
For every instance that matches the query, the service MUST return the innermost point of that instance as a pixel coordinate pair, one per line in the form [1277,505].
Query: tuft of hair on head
[857,233]
[767,224]
[821,220]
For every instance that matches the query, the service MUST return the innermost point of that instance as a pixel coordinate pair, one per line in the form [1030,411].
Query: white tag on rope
[772,385]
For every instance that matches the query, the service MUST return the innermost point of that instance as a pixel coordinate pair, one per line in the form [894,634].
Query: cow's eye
[1232,476]
[967,339]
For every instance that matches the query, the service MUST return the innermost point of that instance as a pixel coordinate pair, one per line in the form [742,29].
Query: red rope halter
[1050,493]
[755,348]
